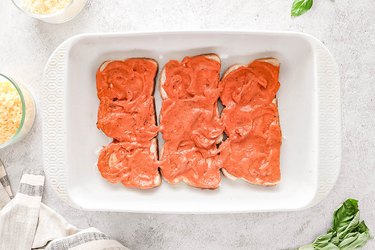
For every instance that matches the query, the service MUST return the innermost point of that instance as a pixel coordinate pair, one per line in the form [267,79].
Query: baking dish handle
[54,129]
[329,117]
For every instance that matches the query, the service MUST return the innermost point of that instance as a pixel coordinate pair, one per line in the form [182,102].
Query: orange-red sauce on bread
[128,121]
[126,114]
[251,120]
[133,164]
[190,123]
[126,80]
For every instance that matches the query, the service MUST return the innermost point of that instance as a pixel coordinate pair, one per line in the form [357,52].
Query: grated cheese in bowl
[10,111]
[43,7]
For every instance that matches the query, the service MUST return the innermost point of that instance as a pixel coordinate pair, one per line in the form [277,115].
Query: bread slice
[164,95]
[162,77]
[153,150]
[114,165]
[105,64]
[269,60]
[153,142]
[232,68]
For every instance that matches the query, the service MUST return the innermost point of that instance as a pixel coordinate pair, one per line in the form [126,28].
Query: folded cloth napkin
[26,223]
[5,191]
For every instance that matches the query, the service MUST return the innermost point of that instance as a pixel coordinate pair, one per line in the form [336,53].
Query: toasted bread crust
[234,178]
[232,68]
[270,60]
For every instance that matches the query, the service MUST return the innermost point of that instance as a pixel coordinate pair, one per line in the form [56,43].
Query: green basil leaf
[330,246]
[344,215]
[299,7]
[362,227]
[347,232]
[349,239]
[357,240]
[306,247]
[322,241]
[352,226]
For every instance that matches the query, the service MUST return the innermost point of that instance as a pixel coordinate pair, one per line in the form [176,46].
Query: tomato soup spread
[190,123]
[251,120]
[127,114]
[128,121]
[133,164]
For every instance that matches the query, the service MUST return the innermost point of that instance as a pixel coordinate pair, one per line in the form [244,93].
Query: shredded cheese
[10,111]
[43,7]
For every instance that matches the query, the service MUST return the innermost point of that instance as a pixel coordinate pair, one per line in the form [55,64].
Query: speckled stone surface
[347,28]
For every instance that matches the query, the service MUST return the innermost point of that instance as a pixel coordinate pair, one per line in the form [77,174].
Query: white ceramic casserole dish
[310,117]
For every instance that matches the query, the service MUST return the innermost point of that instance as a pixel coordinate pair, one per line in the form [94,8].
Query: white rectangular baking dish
[309,104]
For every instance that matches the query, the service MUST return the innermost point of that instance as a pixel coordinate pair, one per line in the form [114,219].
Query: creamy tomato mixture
[190,123]
[130,163]
[251,120]
[126,114]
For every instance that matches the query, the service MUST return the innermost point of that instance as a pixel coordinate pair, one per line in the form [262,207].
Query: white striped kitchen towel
[26,223]
[5,191]
[51,226]
[19,218]
[87,239]
[55,233]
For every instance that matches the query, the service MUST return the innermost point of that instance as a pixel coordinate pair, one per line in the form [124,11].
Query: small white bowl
[64,15]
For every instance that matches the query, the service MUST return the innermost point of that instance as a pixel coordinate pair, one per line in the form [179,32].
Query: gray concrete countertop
[347,28]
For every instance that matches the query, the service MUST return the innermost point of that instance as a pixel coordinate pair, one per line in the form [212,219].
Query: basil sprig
[347,232]
[299,7]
